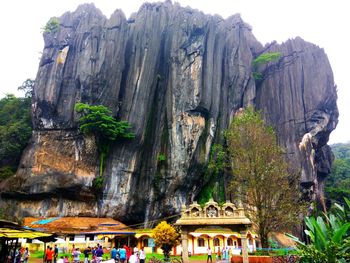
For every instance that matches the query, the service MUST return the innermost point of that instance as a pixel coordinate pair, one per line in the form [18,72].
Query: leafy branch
[97,120]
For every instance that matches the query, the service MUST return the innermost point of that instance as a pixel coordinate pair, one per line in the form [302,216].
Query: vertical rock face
[178,76]
[298,97]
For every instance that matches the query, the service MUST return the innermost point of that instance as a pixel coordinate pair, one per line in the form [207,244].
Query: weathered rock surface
[178,76]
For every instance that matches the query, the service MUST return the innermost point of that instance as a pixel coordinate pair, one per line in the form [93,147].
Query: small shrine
[215,226]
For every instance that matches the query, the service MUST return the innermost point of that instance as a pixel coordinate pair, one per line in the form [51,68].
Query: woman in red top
[49,255]
[128,252]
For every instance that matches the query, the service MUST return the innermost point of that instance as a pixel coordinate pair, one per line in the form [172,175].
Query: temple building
[215,227]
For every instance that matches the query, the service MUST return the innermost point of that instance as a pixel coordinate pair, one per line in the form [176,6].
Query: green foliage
[27,87]
[329,237]
[266,58]
[161,157]
[97,184]
[97,120]
[260,175]
[52,26]
[257,76]
[262,60]
[214,188]
[341,150]
[338,183]
[6,172]
[15,132]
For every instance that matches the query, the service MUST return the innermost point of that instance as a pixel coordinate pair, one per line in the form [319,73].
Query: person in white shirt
[133,258]
[142,255]
[76,255]
[209,255]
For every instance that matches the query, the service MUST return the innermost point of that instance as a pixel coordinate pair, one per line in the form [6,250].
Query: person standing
[228,254]
[209,255]
[142,255]
[87,251]
[114,253]
[26,255]
[55,254]
[99,254]
[122,254]
[76,255]
[128,252]
[133,258]
[223,252]
[18,256]
[49,255]
[219,253]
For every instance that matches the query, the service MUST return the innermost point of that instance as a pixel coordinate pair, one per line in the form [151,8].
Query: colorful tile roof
[77,225]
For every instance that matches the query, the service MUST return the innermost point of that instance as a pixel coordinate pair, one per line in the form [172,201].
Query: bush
[266,58]
[52,25]
[329,236]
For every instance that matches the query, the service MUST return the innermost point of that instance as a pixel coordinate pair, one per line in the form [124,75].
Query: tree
[15,132]
[260,178]
[263,59]
[27,87]
[338,183]
[52,26]
[97,120]
[166,237]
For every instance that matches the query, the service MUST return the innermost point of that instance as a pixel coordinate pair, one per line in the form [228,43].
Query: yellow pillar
[211,244]
[184,238]
[67,244]
[244,246]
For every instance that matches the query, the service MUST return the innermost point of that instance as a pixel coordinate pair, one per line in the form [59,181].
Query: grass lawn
[40,254]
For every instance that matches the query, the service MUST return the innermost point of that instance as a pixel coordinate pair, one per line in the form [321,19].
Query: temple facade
[217,227]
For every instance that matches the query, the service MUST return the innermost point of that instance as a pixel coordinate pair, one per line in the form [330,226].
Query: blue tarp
[45,221]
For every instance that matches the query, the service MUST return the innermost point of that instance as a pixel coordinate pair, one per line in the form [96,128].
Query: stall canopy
[12,230]
[22,233]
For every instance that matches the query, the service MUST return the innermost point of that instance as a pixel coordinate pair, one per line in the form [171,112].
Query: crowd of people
[123,254]
[95,254]
[21,255]
[221,254]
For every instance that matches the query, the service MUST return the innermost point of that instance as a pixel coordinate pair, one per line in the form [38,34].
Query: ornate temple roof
[213,214]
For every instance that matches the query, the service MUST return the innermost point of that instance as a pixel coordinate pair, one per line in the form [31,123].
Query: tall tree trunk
[264,240]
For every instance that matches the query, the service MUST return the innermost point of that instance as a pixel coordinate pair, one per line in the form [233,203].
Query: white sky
[322,22]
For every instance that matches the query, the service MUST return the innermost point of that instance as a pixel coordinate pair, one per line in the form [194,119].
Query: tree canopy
[338,183]
[97,120]
[260,177]
[166,237]
[15,132]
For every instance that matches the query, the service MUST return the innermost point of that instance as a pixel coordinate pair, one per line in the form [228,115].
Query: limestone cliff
[178,76]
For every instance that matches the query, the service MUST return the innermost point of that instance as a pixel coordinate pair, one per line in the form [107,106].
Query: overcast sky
[322,22]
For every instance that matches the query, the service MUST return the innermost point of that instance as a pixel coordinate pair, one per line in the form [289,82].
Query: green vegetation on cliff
[263,59]
[214,188]
[15,132]
[97,120]
[338,183]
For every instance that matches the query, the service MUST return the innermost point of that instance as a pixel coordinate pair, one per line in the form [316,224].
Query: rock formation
[178,76]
